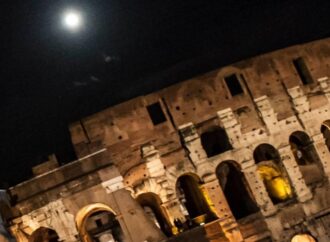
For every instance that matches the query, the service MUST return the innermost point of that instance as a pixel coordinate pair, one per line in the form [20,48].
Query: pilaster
[231,125]
[323,153]
[259,191]
[221,208]
[193,143]
[302,191]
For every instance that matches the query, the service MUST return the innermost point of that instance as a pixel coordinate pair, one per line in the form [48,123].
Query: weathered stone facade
[242,150]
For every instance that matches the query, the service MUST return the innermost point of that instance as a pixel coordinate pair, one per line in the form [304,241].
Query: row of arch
[98,222]
[94,222]
[235,186]
[215,140]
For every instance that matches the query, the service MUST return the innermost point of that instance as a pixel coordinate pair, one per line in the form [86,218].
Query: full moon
[72,20]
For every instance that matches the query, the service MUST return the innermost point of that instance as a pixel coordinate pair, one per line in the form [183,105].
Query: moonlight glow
[72,20]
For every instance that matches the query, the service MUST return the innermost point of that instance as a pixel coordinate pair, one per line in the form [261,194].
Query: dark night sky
[52,77]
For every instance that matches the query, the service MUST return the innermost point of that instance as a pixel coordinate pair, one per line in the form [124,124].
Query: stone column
[193,143]
[323,153]
[302,191]
[232,126]
[153,162]
[197,153]
[268,114]
[299,99]
[258,190]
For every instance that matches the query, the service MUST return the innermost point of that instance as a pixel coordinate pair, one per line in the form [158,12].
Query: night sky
[52,77]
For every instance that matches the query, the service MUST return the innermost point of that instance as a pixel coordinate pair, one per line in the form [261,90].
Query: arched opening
[43,234]
[236,190]
[97,222]
[194,200]
[303,238]
[273,173]
[215,141]
[325,129]
[151,204]
[306,156]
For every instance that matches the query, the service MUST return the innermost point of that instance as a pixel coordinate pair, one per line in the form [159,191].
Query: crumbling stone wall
[156,139]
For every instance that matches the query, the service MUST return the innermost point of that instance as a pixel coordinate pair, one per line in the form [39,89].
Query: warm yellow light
[277,186]
[303,238]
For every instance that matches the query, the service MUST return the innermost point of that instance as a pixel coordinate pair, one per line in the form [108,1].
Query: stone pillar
[193,143]
[302,191]
[153,162]
[258,190]
[221,208]
[53,216]
[323,153]
[231,125]
[197,153]
[268,114]
[299,99]
[324,83]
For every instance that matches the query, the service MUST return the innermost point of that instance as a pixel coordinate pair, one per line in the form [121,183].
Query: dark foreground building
[238,154]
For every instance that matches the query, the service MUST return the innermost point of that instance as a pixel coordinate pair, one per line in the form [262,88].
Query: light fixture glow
[72,20]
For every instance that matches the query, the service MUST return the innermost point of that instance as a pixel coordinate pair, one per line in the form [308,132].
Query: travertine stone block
[302,191]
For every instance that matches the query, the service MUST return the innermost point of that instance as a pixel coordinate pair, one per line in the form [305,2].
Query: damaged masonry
[238,154]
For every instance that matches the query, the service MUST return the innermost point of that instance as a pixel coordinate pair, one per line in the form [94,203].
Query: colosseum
[240,153]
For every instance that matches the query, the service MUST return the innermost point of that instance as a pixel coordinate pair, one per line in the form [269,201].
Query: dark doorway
[273,173]
[192,197]
[44,235]
[236,190]
[215,141]
[306,156]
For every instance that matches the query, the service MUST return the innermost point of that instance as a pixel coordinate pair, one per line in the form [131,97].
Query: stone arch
[236,189]
[303,237]
[194,198]
[273,173]
[152,205]
[104,213]
[43,234]
[215,141]
[151,185]
[306,156]
[325,130]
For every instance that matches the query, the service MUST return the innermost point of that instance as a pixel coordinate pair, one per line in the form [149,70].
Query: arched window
[236,190]
[97,222]
[306,156]
[273,173]
[215,141]
[192,197]
[325,129]
[44,235]
[151,204]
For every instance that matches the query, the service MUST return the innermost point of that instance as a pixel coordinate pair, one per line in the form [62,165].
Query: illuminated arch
[273,173]
[303,238]
[84,213]
[199,206]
